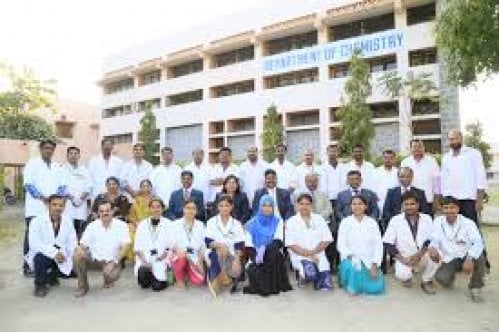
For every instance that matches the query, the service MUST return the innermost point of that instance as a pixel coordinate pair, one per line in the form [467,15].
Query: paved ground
[128,308]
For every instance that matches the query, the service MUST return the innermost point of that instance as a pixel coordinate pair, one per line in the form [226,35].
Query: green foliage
[474,138]
[273,133]
[25,92]
[416,87]
[355,115]
[25,127]
[148,135]
[468,39]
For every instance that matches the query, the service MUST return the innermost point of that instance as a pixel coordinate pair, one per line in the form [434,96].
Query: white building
[210,86]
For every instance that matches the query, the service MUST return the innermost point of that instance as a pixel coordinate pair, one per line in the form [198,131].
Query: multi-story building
[210,86]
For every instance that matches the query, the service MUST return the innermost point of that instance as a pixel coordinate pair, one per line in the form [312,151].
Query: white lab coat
[100,170]
[201,179]
[78,181]
[42,240]
[286,174]
[360,240]
[47,180]
[252,177]
[165,180]
[148,238]
[219,172]
[132,174]
[399,234]
[385,180]
[230,234]
[297,233]
[182,239]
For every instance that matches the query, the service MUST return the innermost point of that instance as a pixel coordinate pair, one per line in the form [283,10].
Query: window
[151,77]
[292,78]
[425,107]
[384,63]
[233,89]
[426,127]
[241,125]
[335,134]
[118,86]
[184,98]
[362,27]
[187,68]
[290,43]
[231,57]
[306,118]
[117,111]
[421,14]
[433,146]
[385,110]
[152,103]
[422,57]
[339,70]
[120,139]
[64,129]
[334,114]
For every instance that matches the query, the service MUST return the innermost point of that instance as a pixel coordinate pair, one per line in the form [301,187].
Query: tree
[474,138]
[24,94]
[355,115]
[467,34]
[148,135]
[272,134]
[416,88]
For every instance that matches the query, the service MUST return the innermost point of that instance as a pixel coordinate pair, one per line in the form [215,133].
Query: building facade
[210,86]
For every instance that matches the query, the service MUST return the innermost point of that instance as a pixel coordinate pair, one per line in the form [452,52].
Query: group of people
[227,225]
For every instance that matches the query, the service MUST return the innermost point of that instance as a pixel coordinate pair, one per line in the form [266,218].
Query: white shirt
[273,193]
[426,174]
[367,171]
[230,234]
[361,240]
[201,180]
[219,172]
[463,174]
[286,174]
[399,234]
[303,170]
[100,170]
[386,179]
[47,179]
[278,235]
[42,240]
[183,239]
[165,180]
[149,238]
[457,240]
[334,179]
[104,243]
[252,177]
[78,180]
[132,173]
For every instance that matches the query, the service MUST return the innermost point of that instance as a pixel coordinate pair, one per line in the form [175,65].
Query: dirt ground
[128,308]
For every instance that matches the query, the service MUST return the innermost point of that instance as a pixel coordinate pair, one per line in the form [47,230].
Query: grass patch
[493,192]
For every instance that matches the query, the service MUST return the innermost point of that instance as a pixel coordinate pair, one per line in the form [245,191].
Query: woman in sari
[361,250]
[139,211]
[187,247]
[119,202]
[267,273]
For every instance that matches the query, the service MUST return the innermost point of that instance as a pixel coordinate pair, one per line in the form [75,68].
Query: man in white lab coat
[286,171]
[42,178]
[135,171]
[104,166]
[407,239]
[201,173]
[386,176]
[306,167]
[79,189]
[220,171]
[252,173]
[366,168]
[166,177]
[52,240]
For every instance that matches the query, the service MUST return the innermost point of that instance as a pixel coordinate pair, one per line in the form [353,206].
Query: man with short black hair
[285,170]
[165,177]
[104,166]
[366,168]
[220,171]
[283,207]
[386,176]
[251,173]
[135,171]
[186,193]
[343,206]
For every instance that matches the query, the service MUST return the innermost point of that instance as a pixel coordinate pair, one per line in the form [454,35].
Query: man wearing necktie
[186,193]
[343,210]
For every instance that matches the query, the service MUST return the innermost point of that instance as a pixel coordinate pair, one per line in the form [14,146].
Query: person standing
[104,166]
[387,176]
[306,167]
[135,171]
[286,171]
[79,189]
[251,173]
[335,174]
[220,172]
[200,173]
[166,177]
[42,177]
[366,168]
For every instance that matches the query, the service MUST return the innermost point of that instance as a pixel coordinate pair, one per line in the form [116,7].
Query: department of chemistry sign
[371,45]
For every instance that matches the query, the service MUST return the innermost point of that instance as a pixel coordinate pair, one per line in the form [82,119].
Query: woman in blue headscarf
[264,241]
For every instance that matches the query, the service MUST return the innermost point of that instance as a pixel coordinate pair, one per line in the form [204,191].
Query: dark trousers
[26,241]
[332,253]
[46,270]
[446,273]
[79,226]
[467,208]
[146,279]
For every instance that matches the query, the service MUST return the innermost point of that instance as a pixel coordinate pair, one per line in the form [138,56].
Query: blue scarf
[262,227]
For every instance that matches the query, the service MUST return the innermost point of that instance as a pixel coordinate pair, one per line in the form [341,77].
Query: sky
[68,40]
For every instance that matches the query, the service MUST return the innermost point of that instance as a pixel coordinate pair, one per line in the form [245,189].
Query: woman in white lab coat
[361,250]
[187,247]
[151,248]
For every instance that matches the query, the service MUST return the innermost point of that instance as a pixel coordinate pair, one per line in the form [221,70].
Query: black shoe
[41,291]
[233,289]
[28,273]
